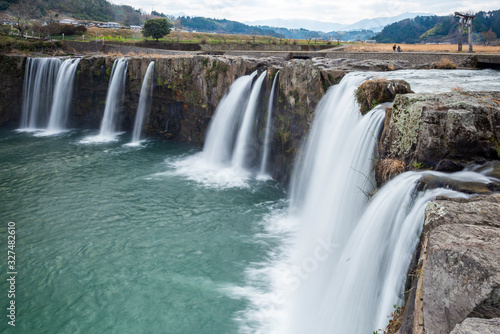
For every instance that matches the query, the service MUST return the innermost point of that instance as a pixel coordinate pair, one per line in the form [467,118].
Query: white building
[68,21]
[111,25]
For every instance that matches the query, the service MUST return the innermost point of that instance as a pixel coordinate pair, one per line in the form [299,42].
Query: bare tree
[44,31]
[23,12]
[488,37]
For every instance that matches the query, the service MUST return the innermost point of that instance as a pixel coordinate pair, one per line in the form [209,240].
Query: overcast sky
[340,11]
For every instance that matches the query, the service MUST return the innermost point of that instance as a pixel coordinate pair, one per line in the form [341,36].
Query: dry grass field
[375,47]
[127,35]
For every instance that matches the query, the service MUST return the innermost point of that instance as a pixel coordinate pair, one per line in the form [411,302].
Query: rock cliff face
[444,131]
[457,278]
[187,90]
[477,325]
[11,88]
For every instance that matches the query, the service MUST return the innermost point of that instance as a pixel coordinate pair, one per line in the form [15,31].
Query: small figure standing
[399,48]
[394,48]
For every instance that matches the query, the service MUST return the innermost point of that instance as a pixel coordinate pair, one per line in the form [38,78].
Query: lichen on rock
[444,131]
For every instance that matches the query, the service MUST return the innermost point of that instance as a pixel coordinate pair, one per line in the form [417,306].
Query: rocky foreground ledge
[455,284]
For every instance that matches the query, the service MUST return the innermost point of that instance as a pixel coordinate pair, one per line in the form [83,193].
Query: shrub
[386,169]
[4,29]
[445,64]
[395,320]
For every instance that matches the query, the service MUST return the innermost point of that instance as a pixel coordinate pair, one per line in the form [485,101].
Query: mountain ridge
[377,23]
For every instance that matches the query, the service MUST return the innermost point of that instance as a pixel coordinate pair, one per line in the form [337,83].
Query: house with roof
[111,25]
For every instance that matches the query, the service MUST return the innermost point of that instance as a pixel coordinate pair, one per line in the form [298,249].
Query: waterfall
[114,97]
[144,103]
[63,93]
[38,87]
[243,150]
[329,190]
[369,276]
[267,136]
[230,136]
[223,127]
[343,263]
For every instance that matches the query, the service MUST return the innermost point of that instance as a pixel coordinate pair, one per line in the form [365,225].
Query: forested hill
[433,29]
[96,10]
[203,24]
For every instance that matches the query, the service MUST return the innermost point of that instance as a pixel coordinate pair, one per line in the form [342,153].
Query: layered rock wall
[445,131]
[457,278]
[187,90]
[11,88]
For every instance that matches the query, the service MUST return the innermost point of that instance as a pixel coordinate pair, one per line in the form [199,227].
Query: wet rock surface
[445,131]
[373,92]
[11,89]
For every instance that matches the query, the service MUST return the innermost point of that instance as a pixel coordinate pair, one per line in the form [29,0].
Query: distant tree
[44,31]
[337,37]
[156,28]
[488,36]
[154,12]
[4,5]
[23,12]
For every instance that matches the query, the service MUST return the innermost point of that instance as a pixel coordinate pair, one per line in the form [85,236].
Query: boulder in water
[373,92]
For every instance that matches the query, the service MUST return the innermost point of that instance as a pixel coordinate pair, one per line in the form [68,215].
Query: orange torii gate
[467,20]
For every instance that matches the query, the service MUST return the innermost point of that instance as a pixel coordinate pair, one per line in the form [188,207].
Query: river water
[110,239]
[113,238]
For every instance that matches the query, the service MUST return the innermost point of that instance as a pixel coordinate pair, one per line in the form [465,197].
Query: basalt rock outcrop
[373,92]
[457,278]
[443,131]
[11,88]
[478,326]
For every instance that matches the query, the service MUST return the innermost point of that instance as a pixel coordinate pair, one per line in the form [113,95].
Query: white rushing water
[245,148]
[63,93]
[329,191]
[230,139]
[222,130]
[328,195]
[343,257]
[38,88]
[144,103]
[439,81]
[114,101]
[368,279]
[267,135]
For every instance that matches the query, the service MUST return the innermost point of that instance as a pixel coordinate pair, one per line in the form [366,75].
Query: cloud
[321,10]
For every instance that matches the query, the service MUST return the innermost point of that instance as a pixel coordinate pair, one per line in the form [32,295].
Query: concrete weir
[488,61]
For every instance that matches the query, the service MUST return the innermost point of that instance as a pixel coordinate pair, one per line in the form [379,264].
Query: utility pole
[467,20]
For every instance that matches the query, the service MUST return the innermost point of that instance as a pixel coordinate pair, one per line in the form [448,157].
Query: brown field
[369,47]
[127,35]
[124,33]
